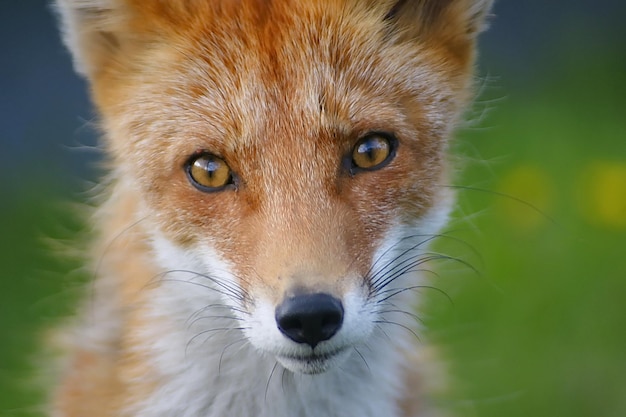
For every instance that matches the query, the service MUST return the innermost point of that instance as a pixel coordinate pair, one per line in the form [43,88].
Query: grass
[34,292]
[539,331]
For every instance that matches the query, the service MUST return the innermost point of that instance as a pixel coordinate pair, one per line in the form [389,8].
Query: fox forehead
[248,69]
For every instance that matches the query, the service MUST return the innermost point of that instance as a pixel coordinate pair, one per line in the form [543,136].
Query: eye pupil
[372,151]
[209,172]
[212,168]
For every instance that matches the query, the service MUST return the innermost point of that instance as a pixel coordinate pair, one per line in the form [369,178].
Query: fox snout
[309,318]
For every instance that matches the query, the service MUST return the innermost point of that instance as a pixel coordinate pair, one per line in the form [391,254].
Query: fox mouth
[315,363]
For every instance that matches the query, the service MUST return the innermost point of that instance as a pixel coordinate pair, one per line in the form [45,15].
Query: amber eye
[373,151]
[208,173]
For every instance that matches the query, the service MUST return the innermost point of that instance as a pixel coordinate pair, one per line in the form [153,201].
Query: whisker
[363,359]
[230,290]
[404,312]
[269,379]
[507,196]
[211,333]
[384,333]
[399,325]
[243,339]
[374,277]
[408,269]
[213,317]
[415,287]
[285,374]
[217,306]
[239,298]
[405,266]
[472,248]
[384,271]
[418,260]
[234,289]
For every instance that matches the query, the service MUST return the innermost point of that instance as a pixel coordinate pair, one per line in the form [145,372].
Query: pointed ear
[455,22]
[92,31]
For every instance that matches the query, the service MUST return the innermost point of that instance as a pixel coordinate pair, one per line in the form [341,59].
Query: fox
[276,171]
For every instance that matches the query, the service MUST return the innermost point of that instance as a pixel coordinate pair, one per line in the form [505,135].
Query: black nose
[310,318]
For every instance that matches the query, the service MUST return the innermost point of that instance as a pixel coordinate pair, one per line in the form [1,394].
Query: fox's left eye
[373,151]
[208,172]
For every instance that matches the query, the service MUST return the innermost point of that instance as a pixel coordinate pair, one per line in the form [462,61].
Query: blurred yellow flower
[603,194]
[530,192]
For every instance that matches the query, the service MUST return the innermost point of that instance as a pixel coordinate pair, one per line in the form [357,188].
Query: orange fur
[281,90]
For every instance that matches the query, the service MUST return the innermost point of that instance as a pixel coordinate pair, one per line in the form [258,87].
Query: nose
[309,318]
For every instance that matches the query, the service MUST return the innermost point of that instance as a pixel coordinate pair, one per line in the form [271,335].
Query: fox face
[286,159]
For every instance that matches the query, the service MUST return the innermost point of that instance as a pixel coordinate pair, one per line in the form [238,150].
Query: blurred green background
[539,330]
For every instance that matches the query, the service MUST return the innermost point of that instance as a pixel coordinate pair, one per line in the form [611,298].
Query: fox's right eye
[208,172]
[373,151]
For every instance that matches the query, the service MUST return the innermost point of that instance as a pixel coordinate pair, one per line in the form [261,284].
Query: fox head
[289,154]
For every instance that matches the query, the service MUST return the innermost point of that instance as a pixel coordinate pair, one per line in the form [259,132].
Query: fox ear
[91,31]
[446,19]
